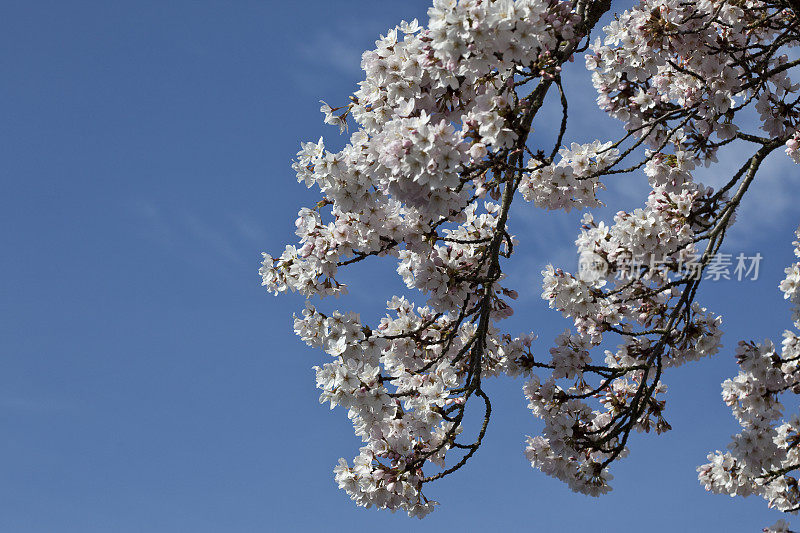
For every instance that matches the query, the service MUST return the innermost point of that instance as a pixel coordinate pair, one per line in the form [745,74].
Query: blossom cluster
[696,64]
[440,147]
[397,412]
[764,458]
[573,181]
[579,441]
[793,147]
[434,111]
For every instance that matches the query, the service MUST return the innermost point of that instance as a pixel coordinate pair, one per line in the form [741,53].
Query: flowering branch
[440,150]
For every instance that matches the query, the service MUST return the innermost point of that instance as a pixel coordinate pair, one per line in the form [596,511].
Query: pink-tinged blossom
[440,146]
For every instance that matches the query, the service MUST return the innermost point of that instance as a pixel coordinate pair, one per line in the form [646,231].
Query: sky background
[149,384]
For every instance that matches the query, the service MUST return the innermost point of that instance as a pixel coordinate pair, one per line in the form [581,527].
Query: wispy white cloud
[249,229]
[26,405]
[337,50]
[774,191]
[154,226]
[545,237]
[215,239]
[771,200]
[224,239]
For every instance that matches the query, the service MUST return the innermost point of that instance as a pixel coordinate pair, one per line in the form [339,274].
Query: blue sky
[148,383]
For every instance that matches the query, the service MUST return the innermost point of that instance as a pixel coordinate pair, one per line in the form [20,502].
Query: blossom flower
[441,147]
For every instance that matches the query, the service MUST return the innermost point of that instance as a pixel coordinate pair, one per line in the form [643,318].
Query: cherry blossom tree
[440,146]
